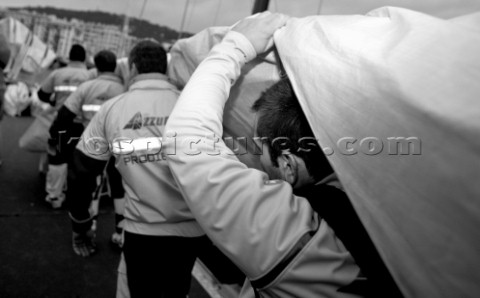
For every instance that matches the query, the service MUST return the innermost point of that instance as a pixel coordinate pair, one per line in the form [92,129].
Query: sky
[207,13]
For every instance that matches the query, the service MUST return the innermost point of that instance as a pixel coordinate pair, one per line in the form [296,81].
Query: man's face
[291,169]
[267,165]
[265,160]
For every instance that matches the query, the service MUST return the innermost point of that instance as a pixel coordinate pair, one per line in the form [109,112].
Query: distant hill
[138,28]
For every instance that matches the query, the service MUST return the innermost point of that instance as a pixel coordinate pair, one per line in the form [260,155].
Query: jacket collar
[109,76]
[77,64]
[150,81]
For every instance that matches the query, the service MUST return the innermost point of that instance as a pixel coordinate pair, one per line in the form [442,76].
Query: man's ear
[133,71]
[288,167]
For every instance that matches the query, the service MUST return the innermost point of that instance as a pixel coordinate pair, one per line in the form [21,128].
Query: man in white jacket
[161,235]
[273,236]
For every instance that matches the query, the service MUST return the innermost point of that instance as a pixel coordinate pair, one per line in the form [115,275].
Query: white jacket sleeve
[253,222]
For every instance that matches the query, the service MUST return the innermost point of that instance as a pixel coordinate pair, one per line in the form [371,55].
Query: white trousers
[56,180]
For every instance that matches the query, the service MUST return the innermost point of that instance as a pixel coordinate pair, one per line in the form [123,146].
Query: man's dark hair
[148,56]
[282,121]
[105,61]
[77,53]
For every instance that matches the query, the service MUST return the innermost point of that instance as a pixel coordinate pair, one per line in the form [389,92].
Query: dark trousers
[170,258]
[115,180]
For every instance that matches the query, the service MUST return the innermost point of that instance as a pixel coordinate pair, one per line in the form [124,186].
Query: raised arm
[253,221]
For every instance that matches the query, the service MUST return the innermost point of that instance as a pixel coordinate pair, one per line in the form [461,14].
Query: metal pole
[183,19]
[320,4]
[143,9]
[217,13]
[259,6]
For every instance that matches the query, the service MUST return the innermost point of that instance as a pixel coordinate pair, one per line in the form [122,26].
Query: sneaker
[55,202]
